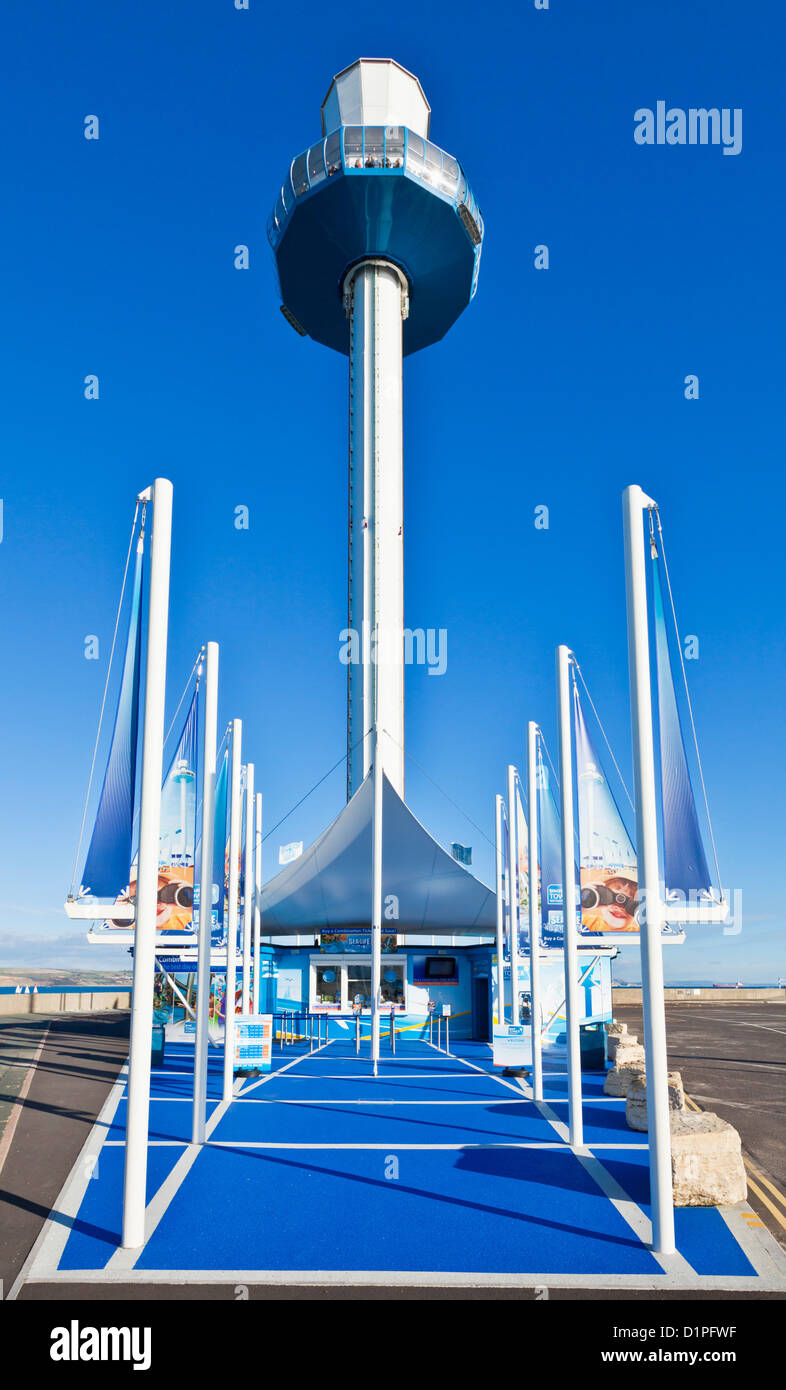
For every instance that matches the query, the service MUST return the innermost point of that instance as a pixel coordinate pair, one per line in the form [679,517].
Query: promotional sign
[522,836]
[356,941]
[512,1045]
[253,1042]
[609,876]
[594,991]
[552,925]
[218,934]
[177,840]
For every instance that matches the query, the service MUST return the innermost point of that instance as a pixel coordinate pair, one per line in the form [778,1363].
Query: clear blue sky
[554,388]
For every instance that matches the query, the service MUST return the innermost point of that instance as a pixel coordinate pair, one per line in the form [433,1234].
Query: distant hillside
[65,979]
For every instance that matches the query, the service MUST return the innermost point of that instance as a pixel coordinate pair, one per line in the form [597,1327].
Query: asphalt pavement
[65,1066]
[732,1058]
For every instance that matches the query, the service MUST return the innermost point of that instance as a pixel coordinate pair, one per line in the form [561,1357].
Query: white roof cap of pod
[375,91]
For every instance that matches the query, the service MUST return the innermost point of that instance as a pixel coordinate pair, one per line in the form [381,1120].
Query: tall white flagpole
[376,897]
[650,912]
[257,898]
[138,1110]
[232,908]
[534,908]
[499,1000]
[209,735]
[248,889]
[513,894]
[570,949]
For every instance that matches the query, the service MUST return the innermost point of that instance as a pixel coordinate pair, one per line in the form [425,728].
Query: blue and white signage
[253,1042]
[512,1045]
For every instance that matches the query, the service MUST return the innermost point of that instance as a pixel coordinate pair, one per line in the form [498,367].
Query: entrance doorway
[480,1008]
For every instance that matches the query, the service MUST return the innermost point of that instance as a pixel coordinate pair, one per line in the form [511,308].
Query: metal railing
[293,1026]
[383,149]
[440,1021]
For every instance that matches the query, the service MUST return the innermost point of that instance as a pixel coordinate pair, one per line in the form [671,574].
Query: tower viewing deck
[375,190]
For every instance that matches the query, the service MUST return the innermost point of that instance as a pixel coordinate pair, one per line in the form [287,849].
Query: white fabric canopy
[329,887]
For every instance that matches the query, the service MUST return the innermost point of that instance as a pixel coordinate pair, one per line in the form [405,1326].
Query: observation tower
[377,240]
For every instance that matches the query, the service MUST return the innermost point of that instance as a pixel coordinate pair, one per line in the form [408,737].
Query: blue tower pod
[377,239]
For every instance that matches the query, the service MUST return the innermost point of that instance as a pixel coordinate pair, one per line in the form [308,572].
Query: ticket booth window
[358,985]
[392,991]
[328,985]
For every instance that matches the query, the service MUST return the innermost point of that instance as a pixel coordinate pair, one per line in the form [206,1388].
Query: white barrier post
[248,889]
[209,734]
[513,895]
[570,949]
[534,909]
[232,910]
[138,1110]
[499,1002]
[650,913]
[257,899]
[376,898]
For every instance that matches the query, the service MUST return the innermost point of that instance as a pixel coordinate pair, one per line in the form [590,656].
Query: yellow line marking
[754,1173]
[762,1196]
[759,1176]
[755,1177]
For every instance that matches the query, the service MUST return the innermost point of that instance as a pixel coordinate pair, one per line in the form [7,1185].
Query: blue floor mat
[97,1229]
[492,1211]
[702,1234]
[168,1120]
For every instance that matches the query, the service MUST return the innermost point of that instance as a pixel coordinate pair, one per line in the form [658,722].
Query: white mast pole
[205,892]
[376,301]
[513,894]
[137,1122]
[650,914]
[232,909]
[248,889]
[376,896]
[257,902]
[534,908]
[499,1002]
[570,956]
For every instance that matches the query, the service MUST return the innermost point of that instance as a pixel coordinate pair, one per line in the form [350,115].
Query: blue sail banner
[109,855]
[522,840]
[685,863]
[552,925]
[607,859]
[505,885]
[218,931]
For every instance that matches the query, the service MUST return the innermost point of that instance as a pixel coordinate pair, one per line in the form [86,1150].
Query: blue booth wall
[594,992]
[466,997]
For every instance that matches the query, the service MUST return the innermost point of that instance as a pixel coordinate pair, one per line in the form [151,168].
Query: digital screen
[440,967]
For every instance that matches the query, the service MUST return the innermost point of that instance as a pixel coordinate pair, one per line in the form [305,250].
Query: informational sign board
[355,942]
[253,1042]
[512,1045]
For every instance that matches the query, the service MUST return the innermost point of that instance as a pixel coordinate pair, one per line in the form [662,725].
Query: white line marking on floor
[159,1204]
[316,1144]
[19,1100]
[47,1251]
[630,1212]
